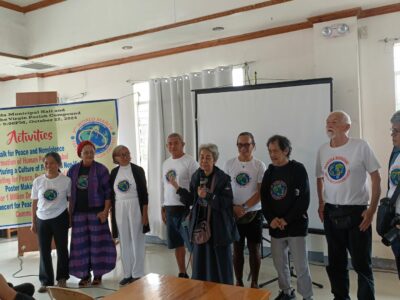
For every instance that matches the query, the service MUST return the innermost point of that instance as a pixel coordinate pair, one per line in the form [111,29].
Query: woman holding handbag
[212,227]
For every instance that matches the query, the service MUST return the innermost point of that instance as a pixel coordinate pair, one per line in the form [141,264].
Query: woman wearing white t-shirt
[129,200]
[50,219]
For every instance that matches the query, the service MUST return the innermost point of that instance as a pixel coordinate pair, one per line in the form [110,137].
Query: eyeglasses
[124,154]
[245,145]
[394,131]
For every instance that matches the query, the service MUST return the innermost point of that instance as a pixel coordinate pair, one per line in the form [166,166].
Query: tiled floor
[161,260]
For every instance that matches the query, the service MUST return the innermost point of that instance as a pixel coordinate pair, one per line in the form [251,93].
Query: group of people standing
[207,209]
[82,200]
[231,204]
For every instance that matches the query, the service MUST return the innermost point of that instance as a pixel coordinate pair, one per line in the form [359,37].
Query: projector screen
[296,109]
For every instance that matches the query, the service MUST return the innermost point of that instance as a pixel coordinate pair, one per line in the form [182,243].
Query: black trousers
[56,228]
[359,245]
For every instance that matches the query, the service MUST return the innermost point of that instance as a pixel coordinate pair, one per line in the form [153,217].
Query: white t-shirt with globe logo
[125,184]
[52,195]
[394,178]
[344,170]
[182,170]
[245,176]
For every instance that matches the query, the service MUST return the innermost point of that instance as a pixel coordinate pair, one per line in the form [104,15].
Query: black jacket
[285,193]
[223,226]
[141,187]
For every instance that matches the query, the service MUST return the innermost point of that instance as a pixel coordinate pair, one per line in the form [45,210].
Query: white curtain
[171,109]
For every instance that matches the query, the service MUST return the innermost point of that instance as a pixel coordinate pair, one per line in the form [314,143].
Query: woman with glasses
[129,197]
[92,247]
[211,196]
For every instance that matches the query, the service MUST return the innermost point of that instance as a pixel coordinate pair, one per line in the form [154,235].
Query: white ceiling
[254,20]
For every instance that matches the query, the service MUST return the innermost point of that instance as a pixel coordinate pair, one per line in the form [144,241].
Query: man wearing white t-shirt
[341,171]
[181,167]
[246,173]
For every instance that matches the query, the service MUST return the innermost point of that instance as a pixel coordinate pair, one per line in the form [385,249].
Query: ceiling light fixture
[218,28]
[127,47]
[335,30]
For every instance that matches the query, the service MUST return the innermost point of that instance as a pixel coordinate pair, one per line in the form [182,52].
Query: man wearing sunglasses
[246,173]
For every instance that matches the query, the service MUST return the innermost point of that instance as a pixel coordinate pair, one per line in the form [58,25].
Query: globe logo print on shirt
[83,182]
[395,176]
[278,190]
[50,195]
[242,179]
[123,186]
[336,170]
[170,173]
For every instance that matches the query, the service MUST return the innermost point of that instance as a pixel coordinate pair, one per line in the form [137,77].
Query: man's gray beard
[330,134]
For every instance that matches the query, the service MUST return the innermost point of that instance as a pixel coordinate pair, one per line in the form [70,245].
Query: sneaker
[125,281]
[283,296]
[62,283]
[183,275]
[42,289]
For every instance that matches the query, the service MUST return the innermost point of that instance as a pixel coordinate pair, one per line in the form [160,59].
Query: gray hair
[116,152]
[175,135]
[395,119]
[211,148]
[345,117]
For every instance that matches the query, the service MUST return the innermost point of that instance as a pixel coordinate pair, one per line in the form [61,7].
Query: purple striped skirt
[92,247]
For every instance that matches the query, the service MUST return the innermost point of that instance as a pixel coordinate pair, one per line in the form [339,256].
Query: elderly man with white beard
[341,171]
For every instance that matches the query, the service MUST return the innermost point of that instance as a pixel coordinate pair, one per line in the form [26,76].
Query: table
[166,287]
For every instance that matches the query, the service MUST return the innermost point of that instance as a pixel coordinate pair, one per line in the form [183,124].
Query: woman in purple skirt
[92,247]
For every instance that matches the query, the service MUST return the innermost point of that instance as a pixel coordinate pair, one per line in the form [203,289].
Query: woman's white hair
[211,148]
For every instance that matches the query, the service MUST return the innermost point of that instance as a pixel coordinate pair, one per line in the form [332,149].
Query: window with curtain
[141,98]
[397,73]
[141,102]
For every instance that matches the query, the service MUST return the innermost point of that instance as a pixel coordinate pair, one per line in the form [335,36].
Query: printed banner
[28,133]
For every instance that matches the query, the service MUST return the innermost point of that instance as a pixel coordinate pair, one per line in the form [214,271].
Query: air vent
[36,66]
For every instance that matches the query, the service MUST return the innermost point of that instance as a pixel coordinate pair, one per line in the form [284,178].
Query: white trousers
[131,237]
[298,251]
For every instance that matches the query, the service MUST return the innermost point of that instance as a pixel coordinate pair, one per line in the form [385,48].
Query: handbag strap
[395,195]
[212,188]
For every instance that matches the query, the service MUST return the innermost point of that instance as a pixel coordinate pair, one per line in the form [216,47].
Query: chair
[57,293]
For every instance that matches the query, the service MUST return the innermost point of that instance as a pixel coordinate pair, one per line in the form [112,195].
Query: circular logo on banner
[242,179]
[278,190]
[336,170]
[123,186]
[96,132]
[50,195]
[395,176]
[83,182]
[170,173]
